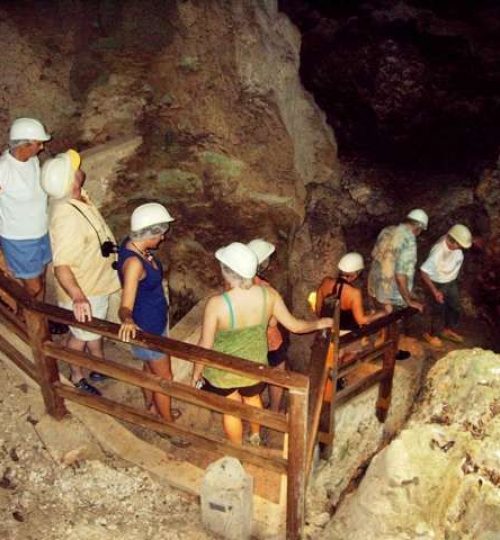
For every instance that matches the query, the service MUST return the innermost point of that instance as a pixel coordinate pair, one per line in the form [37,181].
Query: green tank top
[249,343]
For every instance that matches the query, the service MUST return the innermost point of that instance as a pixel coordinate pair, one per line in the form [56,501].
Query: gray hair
[149,232]
[18,142]
[231,276]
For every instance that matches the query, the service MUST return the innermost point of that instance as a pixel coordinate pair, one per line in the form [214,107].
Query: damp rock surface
[440,477]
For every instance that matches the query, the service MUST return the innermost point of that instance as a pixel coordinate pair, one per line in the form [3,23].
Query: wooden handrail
[262,457]
[180,349]
[45,370]
[377,325]
[155,383]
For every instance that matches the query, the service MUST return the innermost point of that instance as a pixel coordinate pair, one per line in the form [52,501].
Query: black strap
[90,222]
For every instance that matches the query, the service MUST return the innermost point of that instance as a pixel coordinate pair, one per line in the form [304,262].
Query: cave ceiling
[414,84]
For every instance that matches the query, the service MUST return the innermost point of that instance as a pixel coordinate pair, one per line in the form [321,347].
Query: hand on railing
[416,305]
[127,329]
[82,309]
[325,323]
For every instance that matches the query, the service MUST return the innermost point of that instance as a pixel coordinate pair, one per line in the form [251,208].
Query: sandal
[84,386]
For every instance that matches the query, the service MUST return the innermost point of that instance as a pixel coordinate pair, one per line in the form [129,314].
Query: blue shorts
[147,355]
[27,259]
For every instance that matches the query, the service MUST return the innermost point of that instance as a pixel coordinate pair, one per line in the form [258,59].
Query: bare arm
[132,273]
[297,326]
[67,280]
[208,330]
[358,310]
[402,283]
[438,295]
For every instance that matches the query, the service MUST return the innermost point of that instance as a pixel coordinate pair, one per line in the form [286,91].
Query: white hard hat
[418,215]
[58,174]
[461,234]
[240,258]
[29,129]
[262,249]
[351,262]
[149,214]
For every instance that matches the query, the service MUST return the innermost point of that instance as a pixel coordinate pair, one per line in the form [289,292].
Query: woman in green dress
[235,322]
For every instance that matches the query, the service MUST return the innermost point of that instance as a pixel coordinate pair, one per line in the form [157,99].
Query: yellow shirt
[77,245]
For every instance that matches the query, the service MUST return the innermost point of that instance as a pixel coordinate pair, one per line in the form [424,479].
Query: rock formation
[440,477]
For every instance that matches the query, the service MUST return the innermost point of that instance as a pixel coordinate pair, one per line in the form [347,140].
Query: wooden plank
[14,324]
[296,478]
[186,351]
[265,458]
[46,367]
[377,325]
[364,358]
[16,291]
[177,390]
[19,359]
[321,360]
[358,387]
[327,450]
[385,388]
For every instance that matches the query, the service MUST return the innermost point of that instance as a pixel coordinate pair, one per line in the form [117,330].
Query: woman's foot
[174,413]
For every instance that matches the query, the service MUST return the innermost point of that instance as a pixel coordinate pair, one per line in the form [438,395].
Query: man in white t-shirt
[439,272]
[23,206]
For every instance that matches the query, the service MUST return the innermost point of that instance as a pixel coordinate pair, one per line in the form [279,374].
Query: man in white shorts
[85,276]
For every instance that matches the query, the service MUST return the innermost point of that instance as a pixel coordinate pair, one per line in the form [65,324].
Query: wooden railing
[29,321]
[306,393]
[326,371]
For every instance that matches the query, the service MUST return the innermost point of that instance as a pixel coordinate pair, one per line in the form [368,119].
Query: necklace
[145,253]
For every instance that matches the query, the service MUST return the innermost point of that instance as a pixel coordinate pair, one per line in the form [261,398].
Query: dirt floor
[48,491]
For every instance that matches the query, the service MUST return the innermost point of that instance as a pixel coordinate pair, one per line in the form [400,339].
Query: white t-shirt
[23,203]
[443,264]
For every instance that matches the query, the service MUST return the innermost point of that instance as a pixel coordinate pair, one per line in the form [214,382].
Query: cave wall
[234,145]
[230,138]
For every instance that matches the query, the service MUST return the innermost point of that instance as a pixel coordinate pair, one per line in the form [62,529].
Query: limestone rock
[439,478]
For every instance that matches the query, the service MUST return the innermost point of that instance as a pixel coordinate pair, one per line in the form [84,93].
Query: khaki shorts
[99,306]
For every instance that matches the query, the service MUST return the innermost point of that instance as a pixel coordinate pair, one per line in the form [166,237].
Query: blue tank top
[150,311]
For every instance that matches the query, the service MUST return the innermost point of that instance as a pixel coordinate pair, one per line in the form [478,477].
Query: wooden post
[385,388]
[296,477]
[48,372]
[327,450]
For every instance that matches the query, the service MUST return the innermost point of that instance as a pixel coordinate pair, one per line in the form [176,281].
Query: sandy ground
[52,487]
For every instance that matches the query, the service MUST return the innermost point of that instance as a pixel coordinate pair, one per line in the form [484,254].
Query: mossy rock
[178,181]
[228,167]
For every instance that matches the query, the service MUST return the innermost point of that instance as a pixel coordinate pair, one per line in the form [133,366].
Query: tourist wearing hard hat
[394,258]
[439,272]
[343,288]
[23,206]
[235,322]
[144,304]
[352,312]
[82,247]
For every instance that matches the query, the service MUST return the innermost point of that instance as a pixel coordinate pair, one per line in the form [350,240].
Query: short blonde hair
[232,277]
